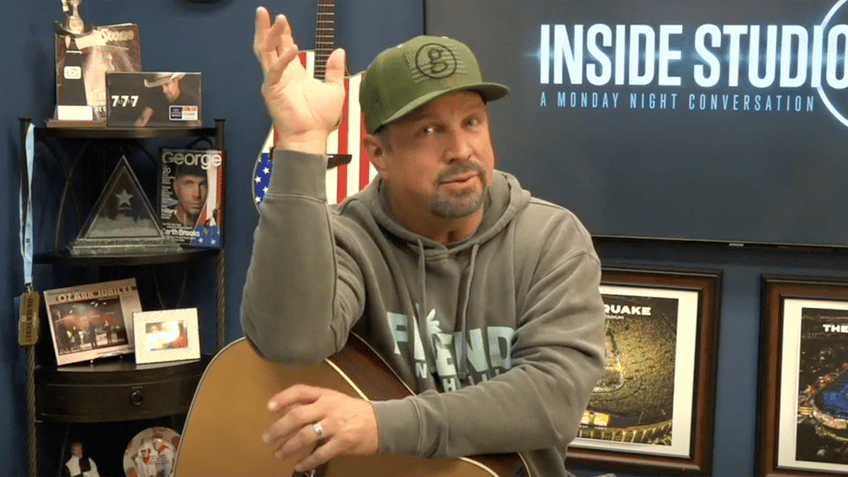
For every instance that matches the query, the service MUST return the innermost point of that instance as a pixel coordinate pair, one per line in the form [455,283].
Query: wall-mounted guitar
[348,168]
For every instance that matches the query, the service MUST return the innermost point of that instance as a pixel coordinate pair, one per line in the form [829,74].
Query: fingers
[348,425]
[261,26]
[304,438]
[291,396]
[332,443]
[336,67]
[273,44]
[296,405]
[321,455]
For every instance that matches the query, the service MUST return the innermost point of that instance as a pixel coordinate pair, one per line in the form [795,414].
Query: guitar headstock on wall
[348,168]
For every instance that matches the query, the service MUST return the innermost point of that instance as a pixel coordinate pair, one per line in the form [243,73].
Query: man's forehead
[460,101]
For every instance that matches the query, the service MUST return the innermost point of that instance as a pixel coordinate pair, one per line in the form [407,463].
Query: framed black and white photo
[803,408]
[166,335]
[652,410]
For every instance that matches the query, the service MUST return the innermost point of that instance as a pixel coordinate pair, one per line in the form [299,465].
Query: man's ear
[376,152]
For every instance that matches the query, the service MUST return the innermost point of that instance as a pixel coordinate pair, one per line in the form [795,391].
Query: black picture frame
[795,349]
[698,296]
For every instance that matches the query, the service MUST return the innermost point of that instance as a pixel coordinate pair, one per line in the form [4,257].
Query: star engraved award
[122,221]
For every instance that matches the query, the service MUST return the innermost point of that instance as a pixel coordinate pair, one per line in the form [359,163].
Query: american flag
[343,180]
[209,223]
[210,237]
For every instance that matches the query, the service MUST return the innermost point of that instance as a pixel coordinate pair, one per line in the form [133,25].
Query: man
[484,300]
[191,187]
[164,456]
[167,91]
[79,466]
[145,460]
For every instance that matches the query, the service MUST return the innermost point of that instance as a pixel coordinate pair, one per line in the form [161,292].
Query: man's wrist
[313,143]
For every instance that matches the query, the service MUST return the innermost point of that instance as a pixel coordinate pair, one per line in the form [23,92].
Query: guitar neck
[325,36]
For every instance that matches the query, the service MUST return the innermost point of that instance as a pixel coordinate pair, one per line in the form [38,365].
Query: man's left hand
[349,425]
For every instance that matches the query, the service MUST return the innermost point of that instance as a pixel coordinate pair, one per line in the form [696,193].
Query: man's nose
[459,146]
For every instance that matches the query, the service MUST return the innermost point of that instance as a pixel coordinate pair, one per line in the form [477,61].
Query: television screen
[713,120]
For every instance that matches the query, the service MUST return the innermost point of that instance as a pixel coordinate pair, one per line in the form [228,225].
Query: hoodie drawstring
[423,329]
[463,313]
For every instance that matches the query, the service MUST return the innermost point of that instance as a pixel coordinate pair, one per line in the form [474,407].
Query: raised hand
[304,110]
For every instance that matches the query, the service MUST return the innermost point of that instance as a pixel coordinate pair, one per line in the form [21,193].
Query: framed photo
[166,335]
[93,320]
[160,99]
[803,407]
[652,410]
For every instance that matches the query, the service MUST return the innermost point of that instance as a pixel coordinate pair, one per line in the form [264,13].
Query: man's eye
[428,131]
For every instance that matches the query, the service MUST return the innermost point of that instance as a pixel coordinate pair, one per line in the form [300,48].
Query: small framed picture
[166,335]
[803,409]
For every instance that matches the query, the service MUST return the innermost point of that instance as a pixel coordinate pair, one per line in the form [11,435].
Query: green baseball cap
[405,77]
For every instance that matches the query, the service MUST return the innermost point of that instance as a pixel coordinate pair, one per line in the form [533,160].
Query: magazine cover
[191,195]
[161,100]
[92,321]
[82,62]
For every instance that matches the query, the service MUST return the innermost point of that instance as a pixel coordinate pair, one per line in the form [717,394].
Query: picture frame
[803,411]
[92,320]
[664,424]
[166,335]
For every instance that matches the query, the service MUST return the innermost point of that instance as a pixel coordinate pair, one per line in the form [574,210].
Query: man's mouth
[461,179]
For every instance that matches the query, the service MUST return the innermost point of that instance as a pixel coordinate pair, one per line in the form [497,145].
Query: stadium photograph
[634,400]
[822,421]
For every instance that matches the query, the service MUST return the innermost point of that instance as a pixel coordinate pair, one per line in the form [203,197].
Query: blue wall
[215,37]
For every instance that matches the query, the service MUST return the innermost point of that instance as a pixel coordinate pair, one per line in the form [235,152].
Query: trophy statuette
[73,24]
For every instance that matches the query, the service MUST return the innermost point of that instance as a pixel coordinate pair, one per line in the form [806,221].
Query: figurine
[79,466]
[73,23]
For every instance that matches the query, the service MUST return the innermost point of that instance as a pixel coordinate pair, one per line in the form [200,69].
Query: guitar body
[222,434]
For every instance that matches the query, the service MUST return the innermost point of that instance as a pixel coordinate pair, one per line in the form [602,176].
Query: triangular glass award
[122,221]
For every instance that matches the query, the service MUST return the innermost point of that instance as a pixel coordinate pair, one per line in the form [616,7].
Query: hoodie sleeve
[557,358]
[305,316]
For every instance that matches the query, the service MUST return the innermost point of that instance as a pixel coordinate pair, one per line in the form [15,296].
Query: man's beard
[454,206]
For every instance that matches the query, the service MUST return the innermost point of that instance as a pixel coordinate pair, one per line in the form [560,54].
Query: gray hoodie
[501,335]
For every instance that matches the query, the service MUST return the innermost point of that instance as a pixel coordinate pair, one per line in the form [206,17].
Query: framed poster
[803,407]
[652,410]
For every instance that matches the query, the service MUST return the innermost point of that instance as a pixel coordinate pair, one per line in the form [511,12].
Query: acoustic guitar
[222,434]
[349,168]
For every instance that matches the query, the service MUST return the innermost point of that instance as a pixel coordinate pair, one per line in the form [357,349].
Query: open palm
[303,109]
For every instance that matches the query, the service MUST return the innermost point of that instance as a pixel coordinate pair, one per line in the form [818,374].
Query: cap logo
[435,61]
